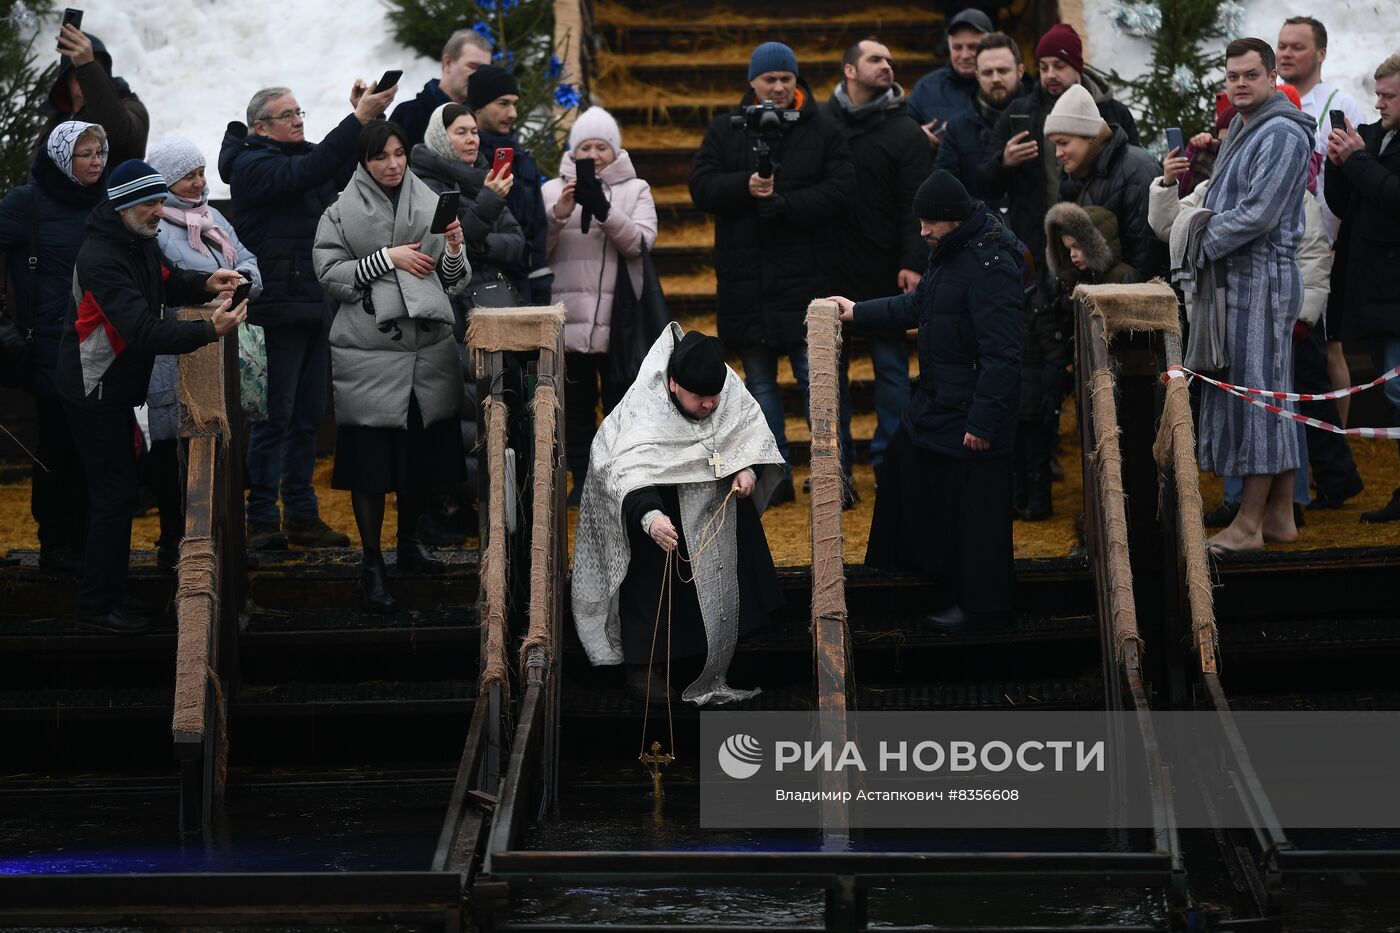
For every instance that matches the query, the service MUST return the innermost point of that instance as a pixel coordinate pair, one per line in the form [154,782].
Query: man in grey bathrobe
[1257,202]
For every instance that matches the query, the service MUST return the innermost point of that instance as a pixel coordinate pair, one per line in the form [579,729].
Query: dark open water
[382,825]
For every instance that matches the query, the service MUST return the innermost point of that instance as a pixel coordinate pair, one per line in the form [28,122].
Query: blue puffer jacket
[279,191]
[968,309]
[942,93]
[61,207]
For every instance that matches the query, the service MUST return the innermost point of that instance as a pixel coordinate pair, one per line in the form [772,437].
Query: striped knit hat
[135,182]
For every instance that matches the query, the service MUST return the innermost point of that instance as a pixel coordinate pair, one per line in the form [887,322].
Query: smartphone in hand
[585,179]
[1020,123]
[1174,141]
[502,163]
[446,212]
[388,80]
[71,17]
[240,295]
[1339,120]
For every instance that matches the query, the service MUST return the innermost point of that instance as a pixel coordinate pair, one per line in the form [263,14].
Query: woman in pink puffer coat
[586,268]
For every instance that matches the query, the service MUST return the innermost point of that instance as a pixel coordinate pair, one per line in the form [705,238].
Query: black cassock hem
[759,591]
[948,519]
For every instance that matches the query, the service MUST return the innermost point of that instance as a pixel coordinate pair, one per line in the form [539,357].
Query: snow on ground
[1358,39]
[196,63]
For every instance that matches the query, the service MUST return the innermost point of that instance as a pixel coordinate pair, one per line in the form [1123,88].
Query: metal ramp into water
[849,661]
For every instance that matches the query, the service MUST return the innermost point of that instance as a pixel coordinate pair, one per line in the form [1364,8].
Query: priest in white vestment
[677,477]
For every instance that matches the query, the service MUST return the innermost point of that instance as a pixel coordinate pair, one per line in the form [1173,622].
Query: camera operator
[777,175]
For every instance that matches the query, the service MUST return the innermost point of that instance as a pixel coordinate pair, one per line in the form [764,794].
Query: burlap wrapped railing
[1175,453]
[1130,308]
[201,383]
[828,479]
[494,563]
[542,569]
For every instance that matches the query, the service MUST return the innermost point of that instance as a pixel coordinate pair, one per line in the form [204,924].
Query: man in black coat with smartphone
[1363,189]
[776,214]
[494,95]
[280,185]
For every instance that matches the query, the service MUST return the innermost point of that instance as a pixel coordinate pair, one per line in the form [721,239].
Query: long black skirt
[413,459]
[948,519]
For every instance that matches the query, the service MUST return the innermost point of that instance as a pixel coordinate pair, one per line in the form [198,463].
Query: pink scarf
[199,224]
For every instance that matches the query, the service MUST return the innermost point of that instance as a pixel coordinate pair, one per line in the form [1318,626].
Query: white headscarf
[64,138]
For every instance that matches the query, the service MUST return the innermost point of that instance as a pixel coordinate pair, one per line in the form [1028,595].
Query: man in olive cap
[944,504]
[679,473]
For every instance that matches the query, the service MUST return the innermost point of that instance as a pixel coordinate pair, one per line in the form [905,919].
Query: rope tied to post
[196,602]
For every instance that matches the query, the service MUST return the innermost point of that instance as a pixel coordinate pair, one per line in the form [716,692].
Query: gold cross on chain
[654,763]
[717,462]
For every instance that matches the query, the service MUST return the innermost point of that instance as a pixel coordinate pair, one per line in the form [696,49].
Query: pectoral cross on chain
[717,462]
[654,762]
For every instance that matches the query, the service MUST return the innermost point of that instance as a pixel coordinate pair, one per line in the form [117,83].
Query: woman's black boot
[373,588]
[414,557]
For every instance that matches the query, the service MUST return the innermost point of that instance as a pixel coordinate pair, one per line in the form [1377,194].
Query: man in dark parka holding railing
[944,504]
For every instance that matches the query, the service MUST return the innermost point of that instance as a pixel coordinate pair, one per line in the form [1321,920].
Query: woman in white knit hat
[192,235]
[622,223]
[1102,168]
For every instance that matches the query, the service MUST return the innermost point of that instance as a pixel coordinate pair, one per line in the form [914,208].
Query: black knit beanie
[942,197]
[488,83]
[697,364]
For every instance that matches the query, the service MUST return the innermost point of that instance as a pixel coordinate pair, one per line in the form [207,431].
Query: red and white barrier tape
[1253,397]
[1288,396]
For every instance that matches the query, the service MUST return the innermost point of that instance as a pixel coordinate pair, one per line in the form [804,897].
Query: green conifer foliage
[1188,40]
[26,74]
[521,33]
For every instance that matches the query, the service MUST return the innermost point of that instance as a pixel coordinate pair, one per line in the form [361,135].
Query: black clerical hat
[697,364]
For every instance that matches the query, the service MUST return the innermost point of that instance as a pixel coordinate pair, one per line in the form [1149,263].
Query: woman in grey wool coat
[394,364]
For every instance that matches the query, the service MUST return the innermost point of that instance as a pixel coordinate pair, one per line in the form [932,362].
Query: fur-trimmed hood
[1094,228]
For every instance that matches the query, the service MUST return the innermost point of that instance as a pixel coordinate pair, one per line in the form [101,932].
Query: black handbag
[637,320]
[17,333]
[492,293]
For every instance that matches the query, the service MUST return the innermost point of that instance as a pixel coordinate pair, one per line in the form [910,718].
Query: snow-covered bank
[195,63]
[1359,37]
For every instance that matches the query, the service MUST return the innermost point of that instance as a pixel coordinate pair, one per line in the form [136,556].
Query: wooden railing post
[830,638]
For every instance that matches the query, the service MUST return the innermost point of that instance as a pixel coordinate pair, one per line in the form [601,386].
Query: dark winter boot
[312,532]
[266,536]
[1390,513]
[414,557]
[1038,504]
[1223,516]
[373,588]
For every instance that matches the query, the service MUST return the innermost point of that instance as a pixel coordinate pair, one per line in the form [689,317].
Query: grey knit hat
[175,157]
